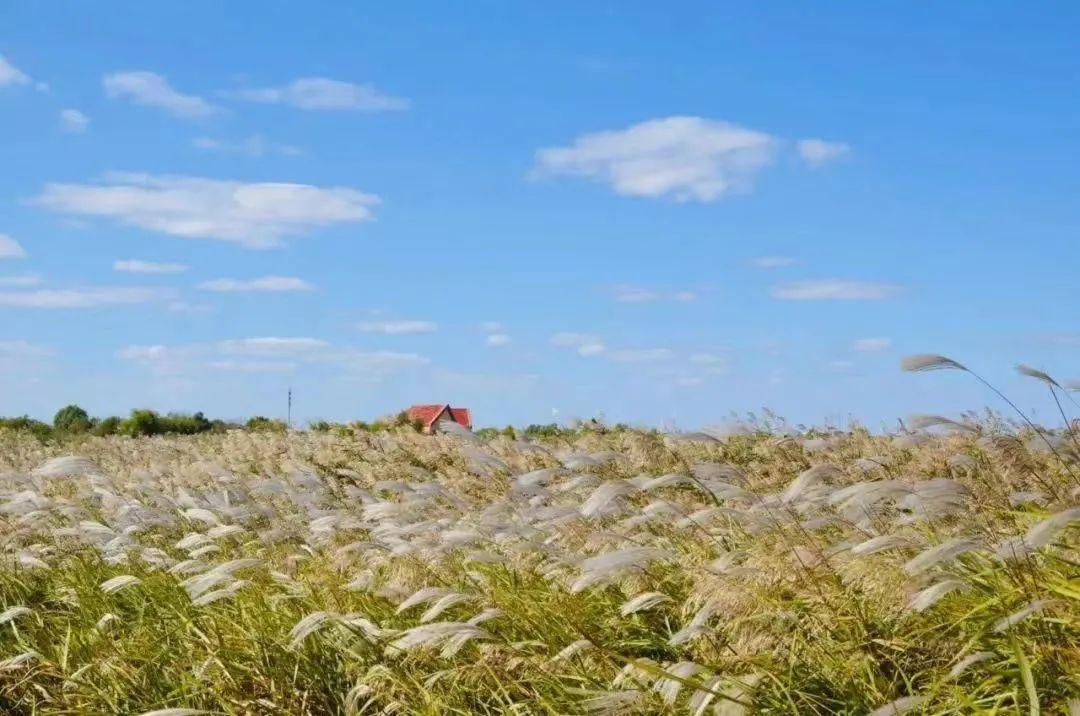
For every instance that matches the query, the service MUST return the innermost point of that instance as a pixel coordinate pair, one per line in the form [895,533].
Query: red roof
[428,414]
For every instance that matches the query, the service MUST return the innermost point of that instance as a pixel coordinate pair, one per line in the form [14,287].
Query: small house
[432,417]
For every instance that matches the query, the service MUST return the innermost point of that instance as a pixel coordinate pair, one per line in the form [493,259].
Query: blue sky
[658,212]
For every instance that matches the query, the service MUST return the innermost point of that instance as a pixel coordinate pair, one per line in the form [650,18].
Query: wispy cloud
[162,360]
[640,355]
[490,326]
[373,364]
[268,355]
[23,349]
[22,280]
[10,248]
[498,340]
[834,290]
[152,90]
[1064,339]
[253,146]
[82,297]
[817,152]
[397,327]
[152,267]
[11,75]
[870,345]
[624,293]
[264,284]
[271,346]
[185,307]
[73,121]
[252,366]
[584,343]
[322,93]
[768,262]
[842,367]
[254,215]
[683,158]
[489,381]
[715,363]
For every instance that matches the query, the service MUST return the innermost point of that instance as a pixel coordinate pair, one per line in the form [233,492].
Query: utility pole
[288,418]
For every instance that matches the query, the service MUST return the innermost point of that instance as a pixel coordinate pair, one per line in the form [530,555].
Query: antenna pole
[288,419]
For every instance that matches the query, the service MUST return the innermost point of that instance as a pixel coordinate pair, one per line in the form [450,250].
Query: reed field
[755,569]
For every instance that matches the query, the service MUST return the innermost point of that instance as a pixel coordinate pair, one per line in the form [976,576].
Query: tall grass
[630,572]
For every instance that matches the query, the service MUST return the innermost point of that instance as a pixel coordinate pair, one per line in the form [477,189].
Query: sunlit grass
[769,570]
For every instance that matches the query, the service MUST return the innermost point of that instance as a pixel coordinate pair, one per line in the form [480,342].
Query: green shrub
[26,424]
[269,424]
[140,422]
[72,419]
[106,426]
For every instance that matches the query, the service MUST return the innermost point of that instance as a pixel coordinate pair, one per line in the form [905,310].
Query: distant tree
[72,419]
[107,426]
[509,432]
[185,424]
[140,422]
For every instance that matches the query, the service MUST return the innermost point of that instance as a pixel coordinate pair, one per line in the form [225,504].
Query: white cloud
[773,261]
[490,326]
[640,355]
[265,284]
[252,366]
[26,279]
[498,340]
[869,345]
[10,248]
[164,360]
[152,90]
[585,344]
[144,353]
[271,346]
[185,307]
[74,121]
[844,367]
[711,362]
[253,146]
[373,363]
[137,266]
[321,93]
[254,215]
[397,327]
[81,297]
[817,152]
[12,75]
[23,349]
[834,290]
[268,355]
[684,158]
[488,381]
[636,294]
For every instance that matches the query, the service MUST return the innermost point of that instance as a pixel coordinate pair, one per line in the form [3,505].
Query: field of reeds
[753,570]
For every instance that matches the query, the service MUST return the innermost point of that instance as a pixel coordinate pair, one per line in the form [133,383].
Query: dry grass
[626,572]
